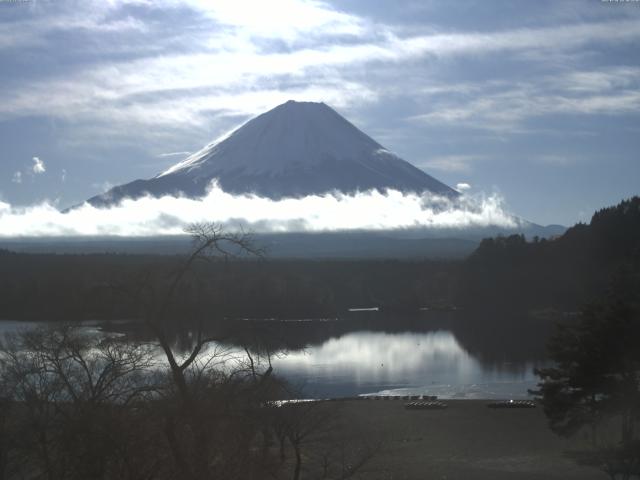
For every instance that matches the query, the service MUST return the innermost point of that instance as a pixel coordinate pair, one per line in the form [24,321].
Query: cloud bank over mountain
[168,215]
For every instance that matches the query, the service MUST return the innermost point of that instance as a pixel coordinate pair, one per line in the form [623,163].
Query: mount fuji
[294,150]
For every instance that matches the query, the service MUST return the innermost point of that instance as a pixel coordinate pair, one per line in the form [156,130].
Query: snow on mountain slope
[294,150]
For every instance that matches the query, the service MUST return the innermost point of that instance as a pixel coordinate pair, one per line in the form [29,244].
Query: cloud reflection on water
[402,363]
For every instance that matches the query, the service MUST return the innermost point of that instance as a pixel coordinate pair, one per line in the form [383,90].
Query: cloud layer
[149,216]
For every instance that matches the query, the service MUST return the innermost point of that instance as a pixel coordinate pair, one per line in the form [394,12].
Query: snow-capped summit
[293,150]
[292,135]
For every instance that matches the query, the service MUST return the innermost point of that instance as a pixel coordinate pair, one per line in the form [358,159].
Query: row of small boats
[435,405]
[512,404]
[425,405]
[398,397]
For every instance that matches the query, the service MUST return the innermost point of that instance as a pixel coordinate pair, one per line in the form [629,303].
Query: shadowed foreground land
[465,441]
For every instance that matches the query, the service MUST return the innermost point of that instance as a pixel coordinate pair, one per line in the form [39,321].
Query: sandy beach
[465,441]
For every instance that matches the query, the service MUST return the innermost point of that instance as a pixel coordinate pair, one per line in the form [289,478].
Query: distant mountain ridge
[294,150]
[356,244]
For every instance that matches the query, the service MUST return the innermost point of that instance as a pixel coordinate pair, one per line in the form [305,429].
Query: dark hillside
[510,272]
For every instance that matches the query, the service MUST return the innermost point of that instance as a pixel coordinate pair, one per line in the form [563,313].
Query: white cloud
[618,78]
[38,166]
[228,68]
[462,186]
[503,106]
[84,102]
[169,215]
[35,29]
[450,163]
[556,38]
[286,19]
[102,186]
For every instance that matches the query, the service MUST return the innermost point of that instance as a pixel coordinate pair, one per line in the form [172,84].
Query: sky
[535,103]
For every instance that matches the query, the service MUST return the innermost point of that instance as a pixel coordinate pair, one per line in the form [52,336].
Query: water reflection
[404,363]
[12,326]
[451,357]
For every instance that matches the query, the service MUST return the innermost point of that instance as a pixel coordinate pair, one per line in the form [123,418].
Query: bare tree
[71,390]
[204,406]
[323,447]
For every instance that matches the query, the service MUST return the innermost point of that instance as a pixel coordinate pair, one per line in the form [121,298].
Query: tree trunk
[282,450]
[296,472]
[176,451]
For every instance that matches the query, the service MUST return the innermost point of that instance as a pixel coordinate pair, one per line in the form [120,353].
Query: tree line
[563,273]
[72,287]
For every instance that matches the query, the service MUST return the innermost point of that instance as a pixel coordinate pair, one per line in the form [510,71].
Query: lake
[370,353]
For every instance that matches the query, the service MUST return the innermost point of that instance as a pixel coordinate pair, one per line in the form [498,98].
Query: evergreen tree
[595,382]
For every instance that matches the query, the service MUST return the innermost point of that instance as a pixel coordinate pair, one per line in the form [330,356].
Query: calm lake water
[410,356]
[407,363]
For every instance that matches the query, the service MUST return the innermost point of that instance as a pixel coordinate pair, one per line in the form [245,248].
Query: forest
[78,287]
[560,273]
